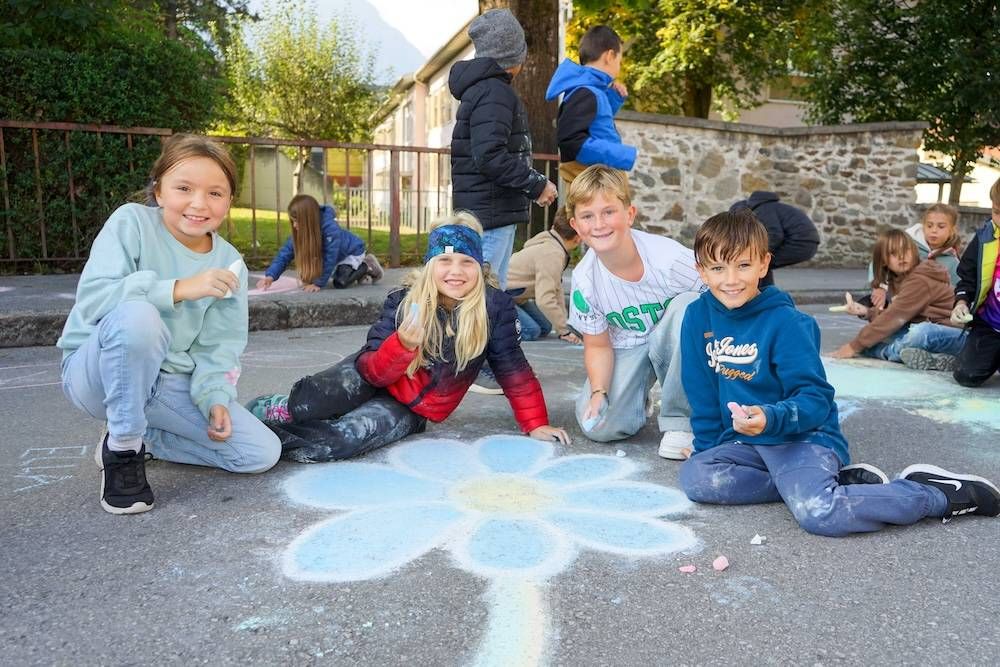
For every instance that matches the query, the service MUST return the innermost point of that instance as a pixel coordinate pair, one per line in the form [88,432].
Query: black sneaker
[967,494]
[861,473]
[124,489]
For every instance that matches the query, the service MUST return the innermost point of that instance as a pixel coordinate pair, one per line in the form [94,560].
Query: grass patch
[271,234]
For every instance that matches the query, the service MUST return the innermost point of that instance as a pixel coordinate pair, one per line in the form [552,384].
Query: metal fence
[60,181]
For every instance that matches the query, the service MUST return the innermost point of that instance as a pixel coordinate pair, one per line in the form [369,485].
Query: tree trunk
[697,98]
[959,167]
[298,174]
[540,20]
[170,18]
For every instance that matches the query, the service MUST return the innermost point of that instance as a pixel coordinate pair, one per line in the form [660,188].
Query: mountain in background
[394,54]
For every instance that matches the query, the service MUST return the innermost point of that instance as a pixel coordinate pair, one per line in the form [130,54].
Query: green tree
[690,56]
[291,77]
[933,61]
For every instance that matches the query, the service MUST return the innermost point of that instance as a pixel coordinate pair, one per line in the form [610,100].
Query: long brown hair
[891,242]
[307,237]
[953,240]
[180,147]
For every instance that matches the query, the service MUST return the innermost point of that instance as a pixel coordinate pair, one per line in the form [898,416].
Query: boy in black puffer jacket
[491,171]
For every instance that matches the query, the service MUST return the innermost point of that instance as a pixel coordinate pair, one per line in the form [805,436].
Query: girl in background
[153,342]
[422,355]
[915,328]
[937,238]
[321,248]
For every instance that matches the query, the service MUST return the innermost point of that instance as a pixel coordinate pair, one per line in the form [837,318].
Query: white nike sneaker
[675,445]
[967,494]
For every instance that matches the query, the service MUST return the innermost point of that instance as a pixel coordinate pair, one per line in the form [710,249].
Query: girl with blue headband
[422,354]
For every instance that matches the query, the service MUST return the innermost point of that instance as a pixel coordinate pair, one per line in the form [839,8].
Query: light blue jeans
[534,324]
[804,476]
[633,375]
[498,245]
[116,376]
[925,335]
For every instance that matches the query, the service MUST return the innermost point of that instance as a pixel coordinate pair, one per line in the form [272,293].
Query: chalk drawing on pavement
[42,466]
[504,507]
[280,286]
[29,375]
[291,359]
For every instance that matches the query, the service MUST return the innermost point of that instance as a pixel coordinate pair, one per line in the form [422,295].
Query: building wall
[851,179]
[274,196]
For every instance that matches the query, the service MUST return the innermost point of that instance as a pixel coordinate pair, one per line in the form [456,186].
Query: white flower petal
[446,460]
[512,453]
[627,497]
[500,547]
[355,485]
[367,543]
[585,469]
[629,536]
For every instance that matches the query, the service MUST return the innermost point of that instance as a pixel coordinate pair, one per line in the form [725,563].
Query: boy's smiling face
[734,282]
[603,223]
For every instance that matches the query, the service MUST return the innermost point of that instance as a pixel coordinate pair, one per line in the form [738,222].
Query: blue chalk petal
[512,453]
[367,543]
[618,534]
[448,460]
[356,485]
[506,546]
[585,468]
[628,497]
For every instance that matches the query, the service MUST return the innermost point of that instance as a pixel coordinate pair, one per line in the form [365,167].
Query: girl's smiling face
[195,198]
[455,275]
[938,228]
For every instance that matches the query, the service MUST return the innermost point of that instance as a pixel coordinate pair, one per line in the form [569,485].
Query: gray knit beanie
[497,34]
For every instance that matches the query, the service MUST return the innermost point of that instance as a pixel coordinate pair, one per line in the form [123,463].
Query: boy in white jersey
[629,295]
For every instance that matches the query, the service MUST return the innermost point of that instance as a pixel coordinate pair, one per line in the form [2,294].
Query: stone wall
[852,180]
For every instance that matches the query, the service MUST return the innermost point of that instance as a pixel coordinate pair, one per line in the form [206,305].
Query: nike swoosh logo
[954,482]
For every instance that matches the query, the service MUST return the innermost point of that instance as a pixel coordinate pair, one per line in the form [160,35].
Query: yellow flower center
[501,493]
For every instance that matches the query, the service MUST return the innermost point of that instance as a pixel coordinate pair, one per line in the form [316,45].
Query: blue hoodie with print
[586,126]
[764,353]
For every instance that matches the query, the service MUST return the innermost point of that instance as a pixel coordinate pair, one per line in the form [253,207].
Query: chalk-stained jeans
[336,414]
[804,476]
[936,338]
[633,375]
[116,376]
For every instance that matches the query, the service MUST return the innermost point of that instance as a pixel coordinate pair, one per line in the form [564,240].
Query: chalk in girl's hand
[838,309]
[414,312]
[737,410]
[235,268]
[591,422]
[965,317]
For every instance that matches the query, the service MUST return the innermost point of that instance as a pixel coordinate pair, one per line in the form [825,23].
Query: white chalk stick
[838,309]
[237,269]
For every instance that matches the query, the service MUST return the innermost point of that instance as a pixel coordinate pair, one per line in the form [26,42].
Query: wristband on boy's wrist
[600,391]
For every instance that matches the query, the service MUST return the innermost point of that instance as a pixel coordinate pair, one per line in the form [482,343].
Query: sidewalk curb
[44,328]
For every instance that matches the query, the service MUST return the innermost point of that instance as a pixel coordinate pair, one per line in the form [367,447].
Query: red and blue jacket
[436,390]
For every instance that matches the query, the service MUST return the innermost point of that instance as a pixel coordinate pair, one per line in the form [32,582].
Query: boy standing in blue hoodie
[585,128]
[764,419]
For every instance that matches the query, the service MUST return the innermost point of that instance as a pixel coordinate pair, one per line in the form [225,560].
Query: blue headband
[447,239]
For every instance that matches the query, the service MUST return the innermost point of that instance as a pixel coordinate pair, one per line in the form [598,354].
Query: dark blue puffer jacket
[491,169]
[435,391]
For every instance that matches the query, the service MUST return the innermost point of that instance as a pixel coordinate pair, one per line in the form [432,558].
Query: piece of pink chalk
[720,563]
[687,569]
[737,410]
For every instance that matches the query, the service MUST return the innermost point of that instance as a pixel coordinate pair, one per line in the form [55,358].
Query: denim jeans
[925,335]
[635,370]
[336,414]
[116,376]
[804,476]
[534,324]
[498,245]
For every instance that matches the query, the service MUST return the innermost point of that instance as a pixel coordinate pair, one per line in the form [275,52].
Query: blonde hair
[891,242]
[995,193]
[598,178]
[307,237]
[953,240]
[468,323]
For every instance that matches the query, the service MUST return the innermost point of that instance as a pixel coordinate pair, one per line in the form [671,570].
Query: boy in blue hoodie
[585,128]
[764,419]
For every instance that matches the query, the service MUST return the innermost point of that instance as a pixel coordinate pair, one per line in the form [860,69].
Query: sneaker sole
[946,474]
[135,508]
[674,454]
[870,468]
[486,391]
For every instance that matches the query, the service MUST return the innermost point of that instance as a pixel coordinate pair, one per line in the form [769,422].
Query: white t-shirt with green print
[627,310]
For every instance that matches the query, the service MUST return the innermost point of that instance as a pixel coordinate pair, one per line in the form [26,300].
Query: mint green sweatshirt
[135,258]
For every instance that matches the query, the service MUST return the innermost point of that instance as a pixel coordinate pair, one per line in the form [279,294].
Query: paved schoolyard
[468,550]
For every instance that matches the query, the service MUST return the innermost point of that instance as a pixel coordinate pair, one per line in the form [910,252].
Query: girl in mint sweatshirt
[153,342]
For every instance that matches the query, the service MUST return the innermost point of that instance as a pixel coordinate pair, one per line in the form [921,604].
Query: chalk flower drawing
[503,506]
